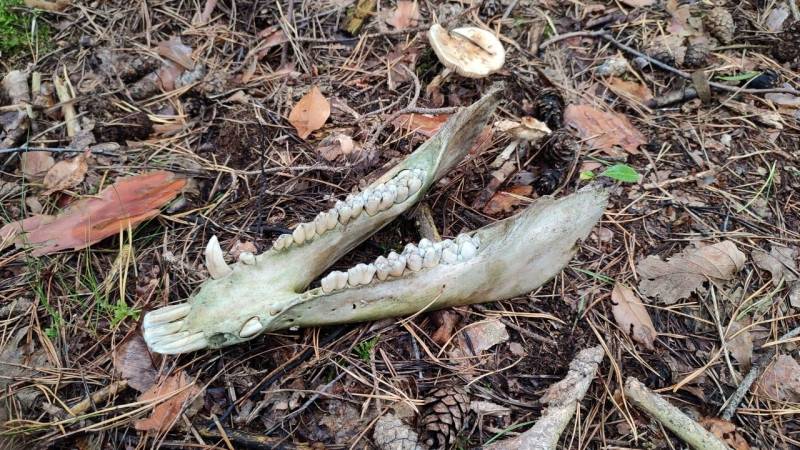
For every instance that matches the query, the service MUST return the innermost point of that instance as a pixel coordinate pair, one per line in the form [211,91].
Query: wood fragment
[67,106]
[357,15]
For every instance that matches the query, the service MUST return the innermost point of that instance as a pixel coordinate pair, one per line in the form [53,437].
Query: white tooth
[387,200]
[187,344]
[159,330]
[247,258]
[449,256]
[279,243]
[354,275]
[166,314]
[332,219]
[419,173]
[251,328]
[380,188]
[299,234]
[414,184]
[392,256]
[398,265]
[369,273]
[431,258]
[357,206]
[321,223]
[288,240]
[372,204]
[461,238]
[402,193]
[215,261]
[170,338]
[381,260]
[341,279]
[476,241]
[410,248]
[382,269]
[345,212]
[466,251]
[414,262]
[310,230]
[425,243]
[402,175]
[329,282]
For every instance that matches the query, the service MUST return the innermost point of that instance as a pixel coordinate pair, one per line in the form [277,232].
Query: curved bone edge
[436,157]
[518,255]
[561,398]
[671,417]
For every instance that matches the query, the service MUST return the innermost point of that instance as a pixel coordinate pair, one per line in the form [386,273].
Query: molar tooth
[402,193]
[357,206]
[299,234]
[247,258]
[392,256]
[288,240]
[409,249]
[310,230]
[341,279]
[387,199]
[321,223]
[431,257]
[329,282]
[369,273]
[449,256]
[476,241]
[402,175]
[372,204]
[215,261]
[382,269]
[414,262]
[251,328]
[414,184]
[466,251]
[345,212]
[425,243]
[332,219]
[397,265]
[357,275]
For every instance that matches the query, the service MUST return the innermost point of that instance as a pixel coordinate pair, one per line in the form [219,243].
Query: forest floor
[160,124]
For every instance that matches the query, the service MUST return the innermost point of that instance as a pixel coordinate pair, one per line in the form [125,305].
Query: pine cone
[444,415]
[788,49]
[720,24]
[490,8]
[549,108]
[697,53]
[548,181]
[560,148]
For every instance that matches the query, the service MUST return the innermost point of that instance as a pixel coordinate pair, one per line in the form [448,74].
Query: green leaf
[740,76]
[587,175]
[621,172]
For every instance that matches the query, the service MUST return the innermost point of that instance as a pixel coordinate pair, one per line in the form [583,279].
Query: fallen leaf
[482,336]
[726,431]
[177,389]
[685,272]
[604,130]
[176,51]
[505,201]
[36,164]
[630,90]
[781,380]
[424,124]
[66,174]
[336,145]
[765,117]
[310,113]
[133,362]
[780,262]
[19,361]
[270,37]
[405,15]
[446,321]
[56,6]
[740,344]
[124,204]
[632,316]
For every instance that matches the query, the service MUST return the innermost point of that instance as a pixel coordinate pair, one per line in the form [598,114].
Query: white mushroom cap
[471,52]
[527,129]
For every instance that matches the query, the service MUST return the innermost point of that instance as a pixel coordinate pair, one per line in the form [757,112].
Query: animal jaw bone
[269,292]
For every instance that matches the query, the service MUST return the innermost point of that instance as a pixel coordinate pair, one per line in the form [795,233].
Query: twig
[26,149]
[755,370]
[608,37]
[97,397]
[64,98]
[671,417]
[562,399]
[307,403]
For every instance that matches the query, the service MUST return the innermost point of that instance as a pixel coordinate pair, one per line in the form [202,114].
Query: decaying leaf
[18,360]
[66,174]
[446,321]
[505,201]
[178,390]
[424,124]
[740,344]
[310,113]
[630,90]
[176,51]
[133,362]
[127,202]
[482,336]
[683,273]
[405,15]
[780,262]
[781,380]
[336,145]
[604,130]
[725,431]
[36,164]
[632,316]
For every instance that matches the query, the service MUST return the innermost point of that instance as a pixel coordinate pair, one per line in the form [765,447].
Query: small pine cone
[490,8]
[444,416]
[549,108]
[788,49]
[547,182]
[697,53]
[560,148]
[720,24]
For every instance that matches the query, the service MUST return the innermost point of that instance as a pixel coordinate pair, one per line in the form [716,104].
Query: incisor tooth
[328,282]
[299,234]
[414,262]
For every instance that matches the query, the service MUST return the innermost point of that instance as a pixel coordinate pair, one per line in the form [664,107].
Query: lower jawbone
[506,259]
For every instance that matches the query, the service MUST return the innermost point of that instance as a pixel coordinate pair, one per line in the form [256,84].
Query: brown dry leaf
[446,321]
[405,15]
[630,90]
[36,164]
[176,51]
[604,130]
[19,361]
[725,431]
[66,174]
[781,380]
[780,262]
[179,389]
[124,204]
[336,145]
[270,37]
[424,124]
[763,116]
[505,201]
[133,362]
[310,113]
[632,316]
[683,273]
[482,336]
[740,344]
[56,6]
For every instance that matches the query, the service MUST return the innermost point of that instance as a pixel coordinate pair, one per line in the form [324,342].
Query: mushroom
[469,51]
[528,129]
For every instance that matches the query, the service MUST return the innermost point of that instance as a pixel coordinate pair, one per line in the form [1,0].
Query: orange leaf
[310,113]
[405,15]
[178,389]
[127,202]
[629,89]
[505,201]
[36,164]
[726,431]
[604,130]
[632,316]
[423,124]
[66,174]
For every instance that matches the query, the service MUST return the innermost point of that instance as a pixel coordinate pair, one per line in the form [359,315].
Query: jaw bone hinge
[413,258]
[370,201]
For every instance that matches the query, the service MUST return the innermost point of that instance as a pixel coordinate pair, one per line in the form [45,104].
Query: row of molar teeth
[372,201]
[413,258]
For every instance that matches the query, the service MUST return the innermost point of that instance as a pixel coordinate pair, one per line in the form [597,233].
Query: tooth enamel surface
[431,258]
[388,197]
[467,251]
[332,219]
[414,184]
[188,343]
[360,274]
[251,328]
[425,244]
[372,204]
[299,235]
[449,256]
[345,212]
[402,193]
[397,266]
[321,223]
[215,261]
[414,262]
[247,258]
[310,230]
[166,314]
[382,269]
[341,279]
[392,256]
[160,330]
[357,206]
[329,282]
[410,248]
